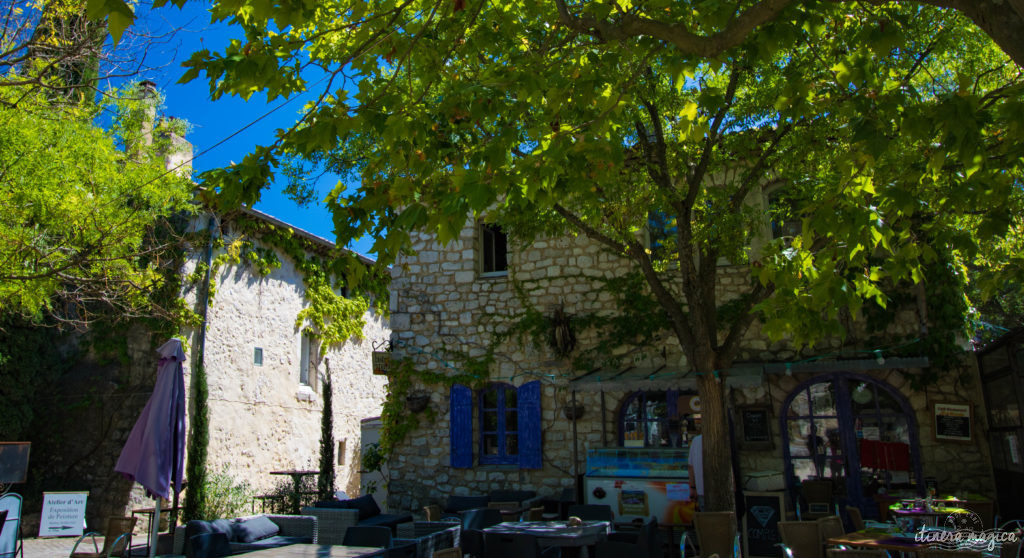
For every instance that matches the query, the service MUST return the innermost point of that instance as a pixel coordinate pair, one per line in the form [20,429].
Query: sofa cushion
[223,526]
[366,505]
[269,542]
[332,504]
[457,504]
[512,495]
[254,529]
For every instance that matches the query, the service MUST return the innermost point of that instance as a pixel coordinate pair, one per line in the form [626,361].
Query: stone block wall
[442,307]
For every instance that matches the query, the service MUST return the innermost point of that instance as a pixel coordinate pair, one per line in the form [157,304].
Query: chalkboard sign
[761,523]
[14,461]
[952,422]
[756,426]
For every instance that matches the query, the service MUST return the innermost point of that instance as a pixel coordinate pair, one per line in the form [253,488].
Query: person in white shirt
[695,463]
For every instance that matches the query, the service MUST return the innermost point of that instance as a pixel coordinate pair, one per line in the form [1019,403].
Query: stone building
[265,376]
[820,407]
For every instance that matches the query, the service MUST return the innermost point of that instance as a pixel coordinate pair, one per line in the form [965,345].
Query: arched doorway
[829,420]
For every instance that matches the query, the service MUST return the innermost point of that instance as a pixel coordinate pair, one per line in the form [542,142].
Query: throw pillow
[366,505]
[222,526]
[254,529]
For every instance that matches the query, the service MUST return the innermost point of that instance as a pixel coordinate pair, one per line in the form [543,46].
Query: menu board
[952,422]
[761,523]
[756,426]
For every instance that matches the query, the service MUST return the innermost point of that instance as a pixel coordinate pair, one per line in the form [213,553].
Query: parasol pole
[154,526]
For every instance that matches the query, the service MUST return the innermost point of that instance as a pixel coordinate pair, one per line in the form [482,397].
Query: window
[655,419]
[782,212]
[257,356]
[493,250]
[499,425]
[661,233]
[307,361]
[508,420]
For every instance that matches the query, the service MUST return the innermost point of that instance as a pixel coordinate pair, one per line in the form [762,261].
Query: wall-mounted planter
[417,402]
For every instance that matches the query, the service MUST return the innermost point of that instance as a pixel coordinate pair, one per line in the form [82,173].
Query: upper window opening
[661,230]
[494,249]
[781,208]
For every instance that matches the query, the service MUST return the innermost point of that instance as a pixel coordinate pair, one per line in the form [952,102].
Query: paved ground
[61,548]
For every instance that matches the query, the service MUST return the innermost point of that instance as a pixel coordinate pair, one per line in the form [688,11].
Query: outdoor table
[148,512]
[879,539]
[296,476]
[556,533]
[320,551]
[929,515]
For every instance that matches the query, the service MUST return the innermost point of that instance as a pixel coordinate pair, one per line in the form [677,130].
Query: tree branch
[628,26]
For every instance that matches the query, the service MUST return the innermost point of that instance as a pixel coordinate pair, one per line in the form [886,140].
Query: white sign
[63,514]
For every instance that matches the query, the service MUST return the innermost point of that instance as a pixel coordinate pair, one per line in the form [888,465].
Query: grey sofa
[429,536]
[335,516]
[258,532]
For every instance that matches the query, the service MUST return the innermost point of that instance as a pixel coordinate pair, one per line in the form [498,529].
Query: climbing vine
[396,421]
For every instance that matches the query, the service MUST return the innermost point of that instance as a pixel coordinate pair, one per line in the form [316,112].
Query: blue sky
[212,121]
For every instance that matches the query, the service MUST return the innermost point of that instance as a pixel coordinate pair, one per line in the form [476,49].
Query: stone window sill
[305,393]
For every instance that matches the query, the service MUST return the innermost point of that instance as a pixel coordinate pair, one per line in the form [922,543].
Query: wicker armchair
[331,523]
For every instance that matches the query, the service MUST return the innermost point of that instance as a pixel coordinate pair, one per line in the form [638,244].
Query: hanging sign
[63,514]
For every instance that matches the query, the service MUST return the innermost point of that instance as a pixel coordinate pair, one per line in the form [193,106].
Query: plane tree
[894,130]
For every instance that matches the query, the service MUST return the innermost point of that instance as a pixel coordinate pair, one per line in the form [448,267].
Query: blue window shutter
[530,456]
[461,405]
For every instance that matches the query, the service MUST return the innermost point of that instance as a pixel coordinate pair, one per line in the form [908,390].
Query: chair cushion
[366,505]
[456,504]
[254,529]
[332,504]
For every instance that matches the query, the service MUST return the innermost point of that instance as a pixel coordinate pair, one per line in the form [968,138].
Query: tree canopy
[85,193]
[890,132]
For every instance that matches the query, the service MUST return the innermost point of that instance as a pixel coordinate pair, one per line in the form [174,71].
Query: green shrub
[226,497]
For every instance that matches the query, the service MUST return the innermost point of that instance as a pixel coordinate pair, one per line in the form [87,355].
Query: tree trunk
[1003,20]
[718,481]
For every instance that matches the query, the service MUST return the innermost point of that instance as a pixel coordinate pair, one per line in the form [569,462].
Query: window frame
[307,346]
[489,235]
[846,415]
[502,432]
[673,414]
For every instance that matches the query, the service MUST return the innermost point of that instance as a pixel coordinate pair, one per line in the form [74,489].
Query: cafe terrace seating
[258,532]
[716,534]
[642,543]
[362,511]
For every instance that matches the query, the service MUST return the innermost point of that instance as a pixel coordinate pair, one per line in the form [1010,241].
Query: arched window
[499,425]
[655,419]
[851,428]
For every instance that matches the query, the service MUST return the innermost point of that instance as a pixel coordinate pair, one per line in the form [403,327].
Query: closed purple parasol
[154,454]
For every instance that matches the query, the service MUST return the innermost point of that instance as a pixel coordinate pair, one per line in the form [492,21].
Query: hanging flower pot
[417,402]
[381,360]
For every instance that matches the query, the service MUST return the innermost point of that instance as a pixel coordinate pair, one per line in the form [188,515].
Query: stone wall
[261,418]
[443,308]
